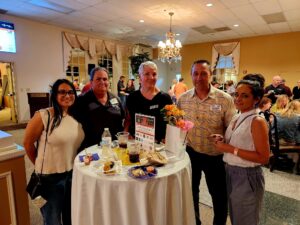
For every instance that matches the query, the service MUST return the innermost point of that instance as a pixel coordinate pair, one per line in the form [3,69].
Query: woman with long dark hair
[246,148]
[59,136]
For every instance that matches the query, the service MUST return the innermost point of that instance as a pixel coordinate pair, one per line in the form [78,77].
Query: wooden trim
[12,207]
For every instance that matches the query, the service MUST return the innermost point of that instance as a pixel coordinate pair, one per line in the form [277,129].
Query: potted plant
[136,61]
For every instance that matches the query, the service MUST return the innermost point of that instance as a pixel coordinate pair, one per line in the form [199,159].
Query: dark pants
[214,170]
[57,192]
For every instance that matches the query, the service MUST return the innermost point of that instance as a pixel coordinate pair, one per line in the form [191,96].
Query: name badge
[153,106]
[216,108]
[114,101]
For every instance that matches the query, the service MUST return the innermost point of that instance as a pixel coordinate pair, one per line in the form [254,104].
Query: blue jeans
[57,192]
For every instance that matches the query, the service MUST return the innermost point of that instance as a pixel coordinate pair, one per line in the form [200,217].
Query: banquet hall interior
[43,40]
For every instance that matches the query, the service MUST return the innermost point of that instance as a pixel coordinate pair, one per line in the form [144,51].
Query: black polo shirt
[94,117]
[137,103]
[279,90]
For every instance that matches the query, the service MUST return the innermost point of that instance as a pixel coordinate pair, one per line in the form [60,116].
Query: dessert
[150,169]
[87,159]
[108,167]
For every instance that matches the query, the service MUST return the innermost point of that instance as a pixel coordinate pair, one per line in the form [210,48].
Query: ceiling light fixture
[209,4]
[142,21]
[169,50]
[236,25]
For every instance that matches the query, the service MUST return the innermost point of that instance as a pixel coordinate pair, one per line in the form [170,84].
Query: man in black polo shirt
[99,108]
[275,89]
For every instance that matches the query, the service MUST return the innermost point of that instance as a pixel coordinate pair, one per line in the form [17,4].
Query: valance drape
[226,49]
[95,46]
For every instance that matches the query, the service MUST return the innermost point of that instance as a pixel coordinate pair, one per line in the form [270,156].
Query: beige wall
[38,61]
[269,55]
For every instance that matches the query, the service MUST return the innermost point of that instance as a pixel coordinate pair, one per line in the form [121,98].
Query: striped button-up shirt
[210,116]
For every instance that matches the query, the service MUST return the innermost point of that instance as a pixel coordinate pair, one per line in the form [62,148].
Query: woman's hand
[223,147]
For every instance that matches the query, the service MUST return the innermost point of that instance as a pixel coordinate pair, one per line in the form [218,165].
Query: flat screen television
[7,37]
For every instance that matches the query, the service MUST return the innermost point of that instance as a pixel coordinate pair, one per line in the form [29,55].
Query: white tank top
[61,147]
[240,137]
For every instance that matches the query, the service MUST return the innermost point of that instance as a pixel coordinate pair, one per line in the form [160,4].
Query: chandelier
[169,50]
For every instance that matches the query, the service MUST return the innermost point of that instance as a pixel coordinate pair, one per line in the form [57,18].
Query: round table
[122,200]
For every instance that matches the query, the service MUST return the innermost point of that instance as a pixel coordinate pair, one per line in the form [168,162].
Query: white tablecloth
[122,200]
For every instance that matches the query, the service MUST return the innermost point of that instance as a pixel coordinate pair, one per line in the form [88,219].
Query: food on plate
[87,159]
[150,169]
[153,158]
[138,172]
[108,167]
[142,172]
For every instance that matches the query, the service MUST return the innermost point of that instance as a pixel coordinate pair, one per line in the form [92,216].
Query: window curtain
[93,47]
[226,49]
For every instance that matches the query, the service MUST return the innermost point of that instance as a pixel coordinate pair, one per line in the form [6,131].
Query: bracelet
[235,151]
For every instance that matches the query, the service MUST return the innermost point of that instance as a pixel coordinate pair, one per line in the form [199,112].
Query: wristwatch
[235,151]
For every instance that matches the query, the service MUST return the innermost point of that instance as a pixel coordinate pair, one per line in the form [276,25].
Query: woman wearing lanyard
[246,148]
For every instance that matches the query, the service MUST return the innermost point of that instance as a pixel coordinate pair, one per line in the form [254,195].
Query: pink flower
[187,125]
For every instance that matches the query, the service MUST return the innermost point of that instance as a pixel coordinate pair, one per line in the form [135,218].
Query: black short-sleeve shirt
[137,103]
[279,90]
[94,117]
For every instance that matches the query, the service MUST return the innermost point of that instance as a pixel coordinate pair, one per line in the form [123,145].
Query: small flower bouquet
[177,129]
[174,117]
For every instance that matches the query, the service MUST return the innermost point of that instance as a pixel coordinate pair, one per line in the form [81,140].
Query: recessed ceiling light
[142,21]
[177,34]
[236,25]
[209,4]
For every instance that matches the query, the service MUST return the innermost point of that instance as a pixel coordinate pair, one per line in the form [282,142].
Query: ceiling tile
[289,4]
[267,7]
[280,27]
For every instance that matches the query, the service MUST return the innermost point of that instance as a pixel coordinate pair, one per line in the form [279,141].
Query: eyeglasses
[65,93]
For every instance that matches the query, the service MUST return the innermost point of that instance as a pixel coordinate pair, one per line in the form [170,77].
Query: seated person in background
[281,103]
[286,88]
[288,123]
[98,108]
[149,100]
[230,89]
[265,104]
[296,91]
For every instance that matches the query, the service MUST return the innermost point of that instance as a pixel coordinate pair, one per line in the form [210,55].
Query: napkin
[95,157]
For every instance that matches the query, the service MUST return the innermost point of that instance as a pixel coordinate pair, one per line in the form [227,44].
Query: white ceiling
[119,19]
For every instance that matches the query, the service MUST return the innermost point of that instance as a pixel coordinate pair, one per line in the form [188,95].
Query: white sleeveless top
[61,147]
[240,137]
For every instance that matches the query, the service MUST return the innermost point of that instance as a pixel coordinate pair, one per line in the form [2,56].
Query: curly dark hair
[58,113]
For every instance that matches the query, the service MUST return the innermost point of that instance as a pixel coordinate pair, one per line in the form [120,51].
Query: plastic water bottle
[106,144]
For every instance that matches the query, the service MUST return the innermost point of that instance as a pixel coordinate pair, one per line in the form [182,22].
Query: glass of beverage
[122,139]
[133,152]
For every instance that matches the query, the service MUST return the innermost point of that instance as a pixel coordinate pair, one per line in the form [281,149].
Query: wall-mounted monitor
[7,37]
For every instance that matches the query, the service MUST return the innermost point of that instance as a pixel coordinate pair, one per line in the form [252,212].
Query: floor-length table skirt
[122,200]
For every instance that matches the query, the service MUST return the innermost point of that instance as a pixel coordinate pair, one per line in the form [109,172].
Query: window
[106,62]
[225,70]
[76,66]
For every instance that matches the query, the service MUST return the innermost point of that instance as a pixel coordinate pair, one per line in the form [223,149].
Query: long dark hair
[58,113]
